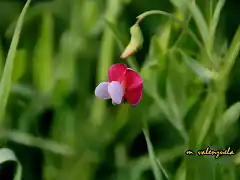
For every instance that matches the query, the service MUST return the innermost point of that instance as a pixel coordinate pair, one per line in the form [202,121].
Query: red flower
[124,84]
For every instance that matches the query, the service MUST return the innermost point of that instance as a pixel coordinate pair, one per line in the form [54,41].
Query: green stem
[152,156]
[183,23]
[162,168]
[159,12]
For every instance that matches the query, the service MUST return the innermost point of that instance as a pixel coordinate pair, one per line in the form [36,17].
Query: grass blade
[163,169]
[203,121]
[232,53]
[215,19]
[216,15]
[204,73]
[200,21]
[29,140]
[5,85]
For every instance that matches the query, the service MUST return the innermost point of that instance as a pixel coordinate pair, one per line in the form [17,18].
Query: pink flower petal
[134,86]
[132,79]
[116,92]
[134,95]
[116,72]
[101,90]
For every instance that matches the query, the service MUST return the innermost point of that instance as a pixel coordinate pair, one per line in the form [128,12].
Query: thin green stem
[163,169]
[152,156]
[154,12]
[183,23]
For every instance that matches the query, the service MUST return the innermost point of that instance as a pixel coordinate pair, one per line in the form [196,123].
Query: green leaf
[32,141]
[216,15]
[228,119]
[203,121]
[8,155]
[231,55]
[177,79]
[5,85]
[171,99]
[200,21]
[204,73]
[150,74]
[215,18]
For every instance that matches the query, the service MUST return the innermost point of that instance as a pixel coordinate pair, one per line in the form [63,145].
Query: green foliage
[47,95]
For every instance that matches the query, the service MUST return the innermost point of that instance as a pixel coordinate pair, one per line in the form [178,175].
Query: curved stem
[183,23]
[152,12]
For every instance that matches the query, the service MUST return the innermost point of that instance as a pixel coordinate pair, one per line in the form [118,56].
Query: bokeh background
[60,131]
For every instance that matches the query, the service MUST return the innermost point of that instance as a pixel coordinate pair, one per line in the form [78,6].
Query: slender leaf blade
[5,85]
[216,16]
[200,21]
[232,53]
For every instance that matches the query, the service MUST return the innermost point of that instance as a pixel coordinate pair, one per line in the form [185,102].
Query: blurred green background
[59,130]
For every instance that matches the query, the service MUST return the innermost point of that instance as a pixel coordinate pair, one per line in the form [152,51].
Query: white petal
[101,90]
[116,92]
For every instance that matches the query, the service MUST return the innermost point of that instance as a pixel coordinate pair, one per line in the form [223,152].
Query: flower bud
[135,42]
